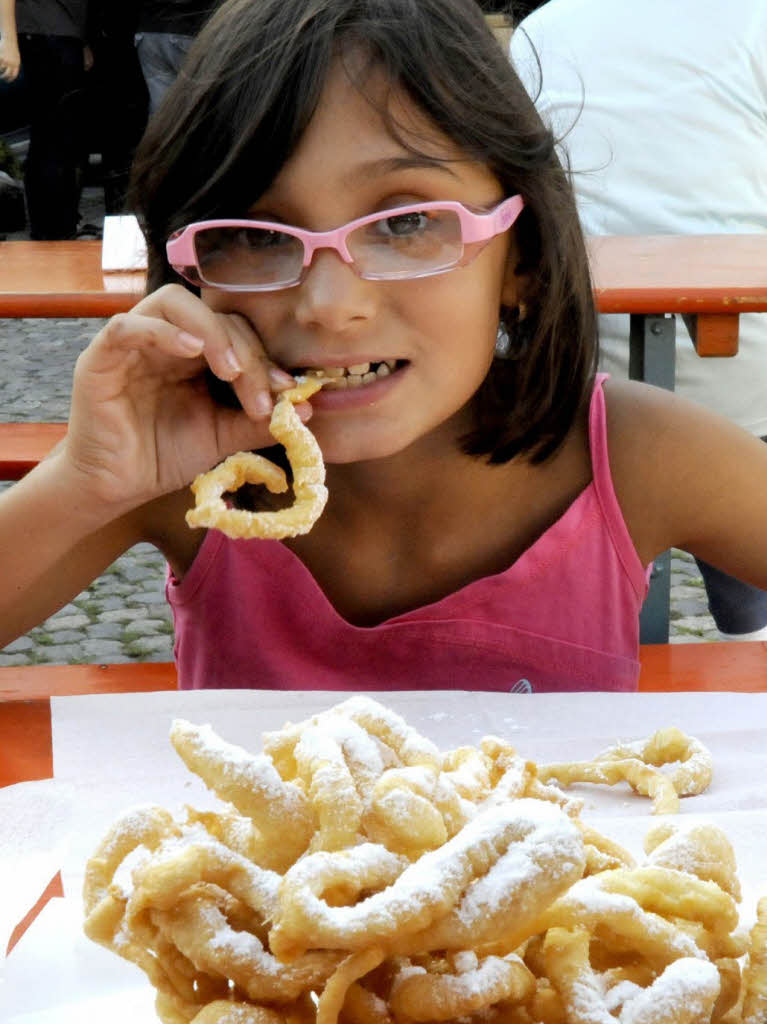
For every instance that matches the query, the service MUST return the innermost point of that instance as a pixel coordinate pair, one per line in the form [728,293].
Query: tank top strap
[604,489]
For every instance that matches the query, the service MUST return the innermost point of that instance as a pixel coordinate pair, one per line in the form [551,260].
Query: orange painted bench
[23,445]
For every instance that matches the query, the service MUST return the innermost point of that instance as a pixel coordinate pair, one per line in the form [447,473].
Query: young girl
[493,505]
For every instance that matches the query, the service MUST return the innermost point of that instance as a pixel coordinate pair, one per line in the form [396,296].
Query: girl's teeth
[353,376]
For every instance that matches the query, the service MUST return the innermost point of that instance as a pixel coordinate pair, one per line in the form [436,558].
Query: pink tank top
[564,616]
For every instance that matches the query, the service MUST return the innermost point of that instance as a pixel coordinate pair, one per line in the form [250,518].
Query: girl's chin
[349,453]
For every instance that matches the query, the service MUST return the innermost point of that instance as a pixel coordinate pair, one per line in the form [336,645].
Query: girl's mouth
[355,376]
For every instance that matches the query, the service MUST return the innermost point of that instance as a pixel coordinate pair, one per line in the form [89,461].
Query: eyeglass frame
[475,227]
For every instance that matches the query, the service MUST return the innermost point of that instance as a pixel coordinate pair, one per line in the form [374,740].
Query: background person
[165,32]
[116,95]
[51,36]
[10,59]
[662,112]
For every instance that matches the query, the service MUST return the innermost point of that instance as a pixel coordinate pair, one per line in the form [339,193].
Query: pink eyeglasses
[408,241]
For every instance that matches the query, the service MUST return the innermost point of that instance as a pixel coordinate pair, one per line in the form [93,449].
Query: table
[62,279]
[708,278]
[130,736]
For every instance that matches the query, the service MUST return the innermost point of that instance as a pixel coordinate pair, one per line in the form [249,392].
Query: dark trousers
[736,607]
[53,70]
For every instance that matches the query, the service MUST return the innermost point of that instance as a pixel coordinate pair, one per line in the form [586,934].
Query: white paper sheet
[35,829]
[123,246]
[113,752]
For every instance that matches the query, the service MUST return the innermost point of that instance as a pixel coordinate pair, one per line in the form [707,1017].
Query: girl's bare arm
[688,478]
[142,425]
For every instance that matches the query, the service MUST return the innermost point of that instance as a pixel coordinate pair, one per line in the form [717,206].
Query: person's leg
[53,66]
[739,610]
[160,55]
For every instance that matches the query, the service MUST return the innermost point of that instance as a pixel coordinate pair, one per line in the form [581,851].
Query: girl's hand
[142,421]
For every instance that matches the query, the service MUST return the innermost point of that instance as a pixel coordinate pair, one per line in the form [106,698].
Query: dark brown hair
[246,94]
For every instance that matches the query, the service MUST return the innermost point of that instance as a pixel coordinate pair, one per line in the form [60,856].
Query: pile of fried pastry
[356,874]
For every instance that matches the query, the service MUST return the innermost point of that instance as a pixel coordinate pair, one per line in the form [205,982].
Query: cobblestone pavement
[123,616]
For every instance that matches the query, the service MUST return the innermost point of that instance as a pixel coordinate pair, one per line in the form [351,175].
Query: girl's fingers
[193,322]
[175,323]
[260,377]
[133,332]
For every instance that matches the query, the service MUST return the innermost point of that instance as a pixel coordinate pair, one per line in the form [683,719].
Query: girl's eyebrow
[392,164]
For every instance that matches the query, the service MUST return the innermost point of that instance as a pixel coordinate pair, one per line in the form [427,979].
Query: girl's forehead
[368,126]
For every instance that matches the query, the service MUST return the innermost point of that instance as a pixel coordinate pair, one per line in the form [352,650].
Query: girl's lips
[358,396]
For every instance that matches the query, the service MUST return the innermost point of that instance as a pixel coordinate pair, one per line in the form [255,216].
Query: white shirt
[661,109]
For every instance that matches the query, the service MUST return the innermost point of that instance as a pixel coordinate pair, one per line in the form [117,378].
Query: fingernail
[232,362]
[190,343]
[279,378]
[262,403]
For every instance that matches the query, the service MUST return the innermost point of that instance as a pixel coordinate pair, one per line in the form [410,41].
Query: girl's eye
[403,224]
[261,238]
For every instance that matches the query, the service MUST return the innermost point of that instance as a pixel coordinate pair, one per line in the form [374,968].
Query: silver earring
[514,346]
[502,342]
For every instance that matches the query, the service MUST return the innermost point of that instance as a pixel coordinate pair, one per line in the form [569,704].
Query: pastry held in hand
[305,459]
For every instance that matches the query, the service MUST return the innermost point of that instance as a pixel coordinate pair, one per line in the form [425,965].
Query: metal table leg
[652,359]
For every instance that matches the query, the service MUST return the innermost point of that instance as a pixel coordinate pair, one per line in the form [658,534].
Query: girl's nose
[332,296]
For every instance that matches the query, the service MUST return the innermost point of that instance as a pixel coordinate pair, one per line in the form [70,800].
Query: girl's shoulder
[669,459]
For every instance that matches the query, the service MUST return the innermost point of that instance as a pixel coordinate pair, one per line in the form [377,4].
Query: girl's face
[436,335]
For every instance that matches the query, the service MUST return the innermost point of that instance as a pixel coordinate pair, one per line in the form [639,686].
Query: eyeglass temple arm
[486,225]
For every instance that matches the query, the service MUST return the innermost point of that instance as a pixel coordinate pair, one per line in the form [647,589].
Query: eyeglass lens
[394,246]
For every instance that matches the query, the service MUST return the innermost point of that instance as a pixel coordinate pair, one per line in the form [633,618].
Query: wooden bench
[23,445]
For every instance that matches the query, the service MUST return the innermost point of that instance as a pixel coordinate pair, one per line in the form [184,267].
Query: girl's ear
[517,281]
[516,286]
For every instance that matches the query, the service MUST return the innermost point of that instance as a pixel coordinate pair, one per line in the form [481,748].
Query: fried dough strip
[673,893]
[141,826]
[641,777]
[536,844]
[691,776]
[249,782]
[161,881]
[699,849]
[422,996]
[321,765]
[197,924]
[386,725]
[305,459]
[684,993]
[586,905]
[221,1011]
[403,812]
[755,972]
[538,855]
[348,971]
